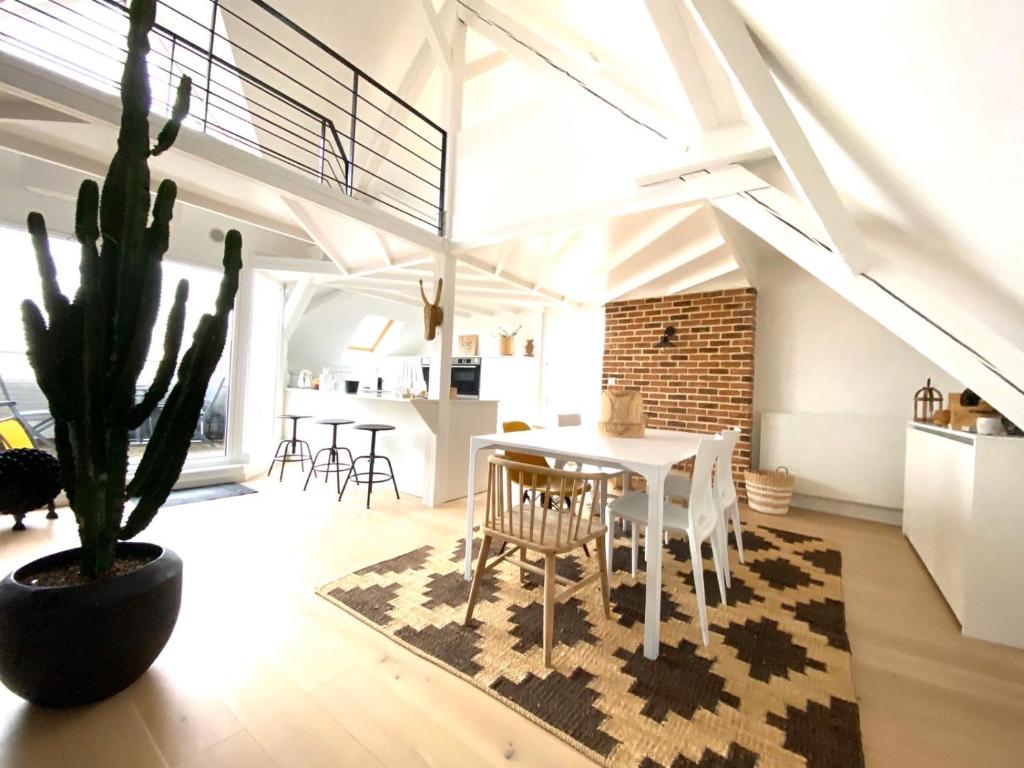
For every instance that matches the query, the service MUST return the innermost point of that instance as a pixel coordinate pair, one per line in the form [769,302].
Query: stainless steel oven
[465,376]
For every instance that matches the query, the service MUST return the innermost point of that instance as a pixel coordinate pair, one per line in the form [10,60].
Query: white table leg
[609,534]
[470,499]
[653,551]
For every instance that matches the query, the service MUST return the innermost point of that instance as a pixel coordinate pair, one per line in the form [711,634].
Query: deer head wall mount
[433,315]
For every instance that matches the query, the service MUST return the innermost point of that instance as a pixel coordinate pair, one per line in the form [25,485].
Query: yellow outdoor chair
[14,435]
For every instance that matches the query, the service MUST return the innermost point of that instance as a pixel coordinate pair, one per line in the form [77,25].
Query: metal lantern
[927,400]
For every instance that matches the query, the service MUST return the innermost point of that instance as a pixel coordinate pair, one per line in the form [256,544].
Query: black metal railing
[262,83]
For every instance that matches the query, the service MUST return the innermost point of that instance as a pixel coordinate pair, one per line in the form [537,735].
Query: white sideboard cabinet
[963,511]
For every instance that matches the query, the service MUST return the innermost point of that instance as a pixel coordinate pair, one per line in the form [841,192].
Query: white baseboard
[849,509]
[197,477]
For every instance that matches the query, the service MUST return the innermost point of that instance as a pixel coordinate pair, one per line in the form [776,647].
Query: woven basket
[769,492]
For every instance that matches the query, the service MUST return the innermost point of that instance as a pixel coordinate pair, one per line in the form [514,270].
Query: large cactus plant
[89,352]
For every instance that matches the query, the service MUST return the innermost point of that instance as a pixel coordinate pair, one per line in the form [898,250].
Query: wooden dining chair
[532,527]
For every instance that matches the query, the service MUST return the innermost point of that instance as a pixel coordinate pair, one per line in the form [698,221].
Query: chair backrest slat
[564,498]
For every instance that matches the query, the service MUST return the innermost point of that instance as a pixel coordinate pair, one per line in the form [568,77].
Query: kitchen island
[410,446]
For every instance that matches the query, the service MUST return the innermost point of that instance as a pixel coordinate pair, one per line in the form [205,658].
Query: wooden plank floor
[260,672]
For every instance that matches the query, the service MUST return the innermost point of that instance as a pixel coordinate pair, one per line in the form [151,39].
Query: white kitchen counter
[963,511]
[409,445]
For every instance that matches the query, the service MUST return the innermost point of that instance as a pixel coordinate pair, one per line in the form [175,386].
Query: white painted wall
[323,336]
[921,137]
[817,355]
[485,327]
[572,361]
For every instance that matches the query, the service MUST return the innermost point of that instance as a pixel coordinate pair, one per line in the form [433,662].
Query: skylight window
[370,333]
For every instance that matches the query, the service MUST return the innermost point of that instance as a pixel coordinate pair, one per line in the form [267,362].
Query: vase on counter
[507,345]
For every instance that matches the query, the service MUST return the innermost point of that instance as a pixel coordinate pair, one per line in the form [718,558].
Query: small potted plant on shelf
[80,625]
[506,340]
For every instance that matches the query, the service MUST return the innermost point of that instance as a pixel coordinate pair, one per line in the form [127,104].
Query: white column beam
[729,37]
[445,268]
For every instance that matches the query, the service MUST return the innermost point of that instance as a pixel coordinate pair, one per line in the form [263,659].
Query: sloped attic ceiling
[916,110]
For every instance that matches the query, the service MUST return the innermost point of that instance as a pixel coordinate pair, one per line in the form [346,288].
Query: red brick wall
[705,382]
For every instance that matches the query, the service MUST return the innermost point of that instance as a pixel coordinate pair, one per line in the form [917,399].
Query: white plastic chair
[678,486]
[728,502]
[699,522]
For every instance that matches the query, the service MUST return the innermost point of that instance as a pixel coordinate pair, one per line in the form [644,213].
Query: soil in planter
[69,575]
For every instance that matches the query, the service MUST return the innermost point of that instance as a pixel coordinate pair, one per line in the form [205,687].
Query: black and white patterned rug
[773,689]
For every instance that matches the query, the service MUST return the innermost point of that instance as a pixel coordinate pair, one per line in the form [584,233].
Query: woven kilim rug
[772,690]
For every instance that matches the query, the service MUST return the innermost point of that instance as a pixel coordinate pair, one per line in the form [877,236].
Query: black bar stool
[333,463]
[292,450]
[371,476]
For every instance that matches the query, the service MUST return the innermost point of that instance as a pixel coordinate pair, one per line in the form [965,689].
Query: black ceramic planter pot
[67,646]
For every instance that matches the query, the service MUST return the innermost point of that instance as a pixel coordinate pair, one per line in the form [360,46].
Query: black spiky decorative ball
[29,479]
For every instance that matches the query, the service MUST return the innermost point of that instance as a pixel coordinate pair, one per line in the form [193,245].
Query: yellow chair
[14,435]
[521,458]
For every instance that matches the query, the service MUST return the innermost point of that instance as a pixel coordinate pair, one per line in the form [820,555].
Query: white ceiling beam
[642,277]
[296,304]
[532,49]
[413,299]
[385,249]
[724,266]
[394,299]
[410,87]
[416,270]
[397,280]
[395,267]
[297,266]
[672,27]
[694,188]
[436,37]
[656,229]
[316,232]
[712,150]
[728,35]
[526,285]
[485,64]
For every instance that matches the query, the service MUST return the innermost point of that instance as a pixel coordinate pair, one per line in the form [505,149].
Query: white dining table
[651,456]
